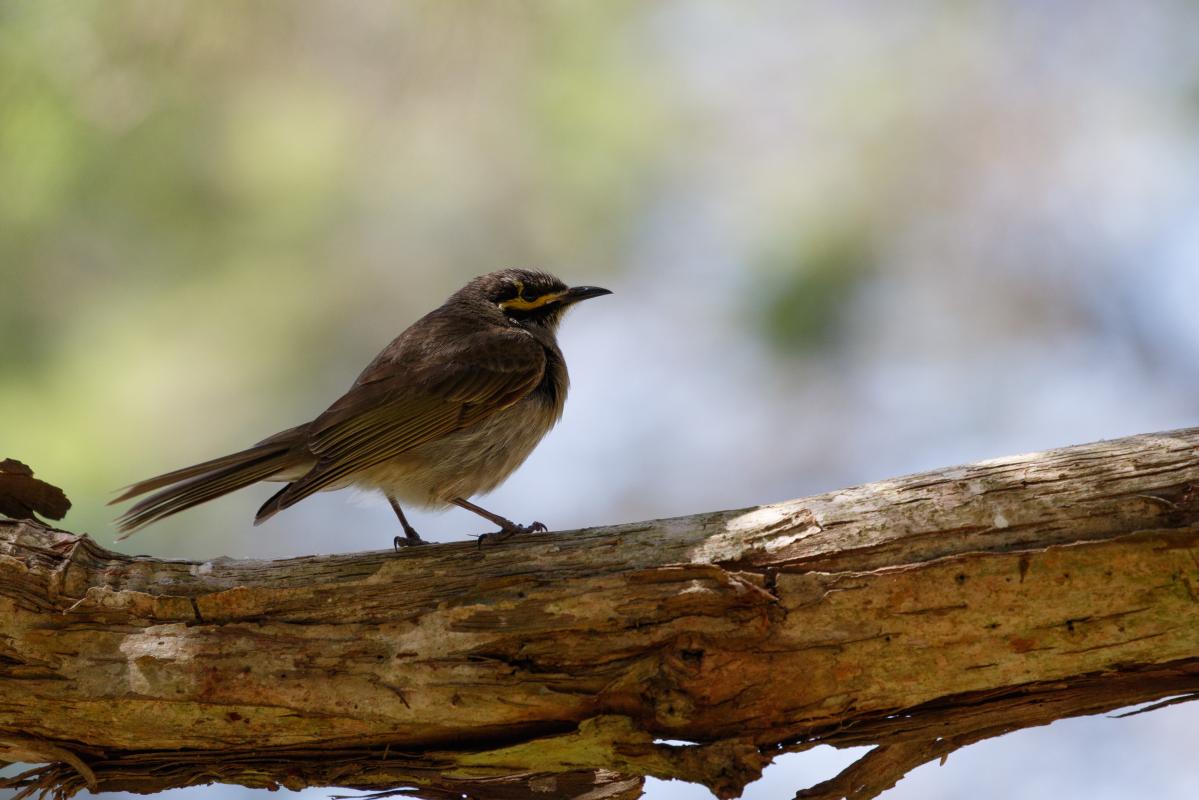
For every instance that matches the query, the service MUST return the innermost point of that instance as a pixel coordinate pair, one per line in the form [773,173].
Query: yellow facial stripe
[518,303]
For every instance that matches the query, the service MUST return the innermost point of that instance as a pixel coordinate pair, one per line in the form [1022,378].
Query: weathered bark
[917,614]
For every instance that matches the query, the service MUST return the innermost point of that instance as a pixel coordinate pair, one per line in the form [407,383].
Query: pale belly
[465,463]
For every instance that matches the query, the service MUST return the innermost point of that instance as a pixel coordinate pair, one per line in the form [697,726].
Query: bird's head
[530,298]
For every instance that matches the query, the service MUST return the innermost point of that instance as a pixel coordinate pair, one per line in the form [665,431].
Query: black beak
[577,293]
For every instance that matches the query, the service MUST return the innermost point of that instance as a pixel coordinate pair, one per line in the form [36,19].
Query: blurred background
[848,241]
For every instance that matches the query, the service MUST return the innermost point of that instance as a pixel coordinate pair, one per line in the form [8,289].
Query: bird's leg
[508,528]
[410,537]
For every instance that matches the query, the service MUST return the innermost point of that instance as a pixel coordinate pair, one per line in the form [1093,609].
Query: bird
[448,410]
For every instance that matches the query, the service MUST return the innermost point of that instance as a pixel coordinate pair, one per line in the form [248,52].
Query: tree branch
[918,615]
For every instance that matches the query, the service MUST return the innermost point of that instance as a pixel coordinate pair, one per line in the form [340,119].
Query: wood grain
[917,614]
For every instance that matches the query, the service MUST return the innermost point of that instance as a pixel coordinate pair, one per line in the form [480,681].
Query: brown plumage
[448,410]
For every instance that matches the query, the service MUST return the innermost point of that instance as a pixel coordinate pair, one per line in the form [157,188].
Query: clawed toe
[507,533]
[400,542]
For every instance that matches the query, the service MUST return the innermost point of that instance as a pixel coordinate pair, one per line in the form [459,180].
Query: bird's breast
[469,461]
[555,381]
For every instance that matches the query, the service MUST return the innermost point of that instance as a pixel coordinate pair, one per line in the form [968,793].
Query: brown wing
[396,406]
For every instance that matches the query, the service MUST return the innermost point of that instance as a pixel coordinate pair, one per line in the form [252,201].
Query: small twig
[878,770]
[1186,698]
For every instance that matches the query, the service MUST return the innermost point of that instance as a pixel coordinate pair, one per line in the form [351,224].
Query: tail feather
[198,484]
[176,476]
[271,507]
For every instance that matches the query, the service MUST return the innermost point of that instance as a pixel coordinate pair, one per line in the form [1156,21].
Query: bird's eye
[528,293]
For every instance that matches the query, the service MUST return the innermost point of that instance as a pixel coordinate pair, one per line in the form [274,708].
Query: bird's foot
[409,539]
[507,532]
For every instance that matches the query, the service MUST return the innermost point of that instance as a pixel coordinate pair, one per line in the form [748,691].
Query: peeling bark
[918,615]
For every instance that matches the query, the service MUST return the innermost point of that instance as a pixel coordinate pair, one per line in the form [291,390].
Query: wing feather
[396,407]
